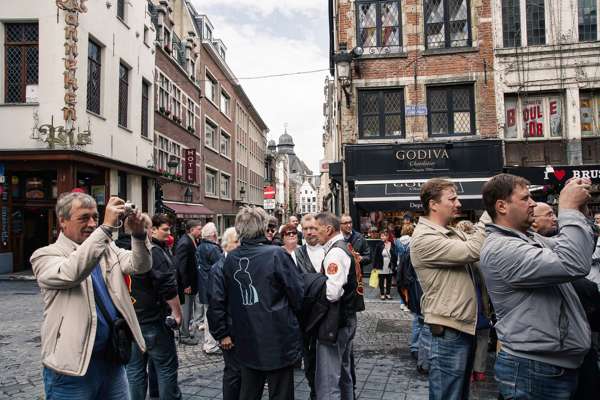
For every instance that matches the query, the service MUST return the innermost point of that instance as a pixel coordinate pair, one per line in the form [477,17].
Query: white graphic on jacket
[243,278]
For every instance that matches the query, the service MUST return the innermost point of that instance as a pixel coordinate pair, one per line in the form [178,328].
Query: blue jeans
[417,326]
[103,380]
[160,347]
[521,378]
[450,365]
[424,347]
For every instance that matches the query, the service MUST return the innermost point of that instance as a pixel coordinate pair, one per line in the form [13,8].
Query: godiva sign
[421,160]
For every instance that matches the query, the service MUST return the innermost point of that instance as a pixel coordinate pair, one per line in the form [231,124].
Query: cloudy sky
[272,37]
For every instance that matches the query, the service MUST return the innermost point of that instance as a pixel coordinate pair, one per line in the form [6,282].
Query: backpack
[409,287]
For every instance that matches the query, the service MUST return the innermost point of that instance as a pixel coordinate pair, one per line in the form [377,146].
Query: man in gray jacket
[541,324]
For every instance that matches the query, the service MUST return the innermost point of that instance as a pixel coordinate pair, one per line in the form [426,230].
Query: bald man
[545,221]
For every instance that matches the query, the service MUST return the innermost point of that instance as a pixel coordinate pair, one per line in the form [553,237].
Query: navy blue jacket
[207,254]
[261,291]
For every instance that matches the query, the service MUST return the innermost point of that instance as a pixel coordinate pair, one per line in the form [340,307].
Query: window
[176,97]
[533,116]
[447,23]
[211,182]
[211,88]
[93,77]
[379,25]
[225,144]
[511,23]
[163,92]
[166,150]
[210,132]
[589,108]
[536,22]
[191,115]
[123,93]
[451,110]
[146,35]
[381,113]
[167,39]
[225,102]
[588,22]
[225,186]
[145,106]
[121,9]
[21,60]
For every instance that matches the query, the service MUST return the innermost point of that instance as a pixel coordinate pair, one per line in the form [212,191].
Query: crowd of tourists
[269,298]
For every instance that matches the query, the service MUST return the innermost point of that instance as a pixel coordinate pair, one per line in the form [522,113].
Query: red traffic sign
[268,192]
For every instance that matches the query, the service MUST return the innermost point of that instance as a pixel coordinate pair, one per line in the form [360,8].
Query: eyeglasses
[271,228]
[291,233]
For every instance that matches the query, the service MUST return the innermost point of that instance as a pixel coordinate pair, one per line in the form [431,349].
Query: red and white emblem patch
[332,269]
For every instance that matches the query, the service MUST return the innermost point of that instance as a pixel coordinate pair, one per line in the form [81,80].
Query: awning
[188,210]
[404,194]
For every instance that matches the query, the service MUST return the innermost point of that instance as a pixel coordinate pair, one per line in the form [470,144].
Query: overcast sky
[272,37]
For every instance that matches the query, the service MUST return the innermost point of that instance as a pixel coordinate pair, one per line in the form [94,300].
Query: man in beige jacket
[443,258]
[84,265]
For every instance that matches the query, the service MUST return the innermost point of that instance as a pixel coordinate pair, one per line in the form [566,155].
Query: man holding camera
[541,323]
[156,298]
[81,280]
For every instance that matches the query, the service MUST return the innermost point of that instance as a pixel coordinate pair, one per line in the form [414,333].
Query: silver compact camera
[129,209]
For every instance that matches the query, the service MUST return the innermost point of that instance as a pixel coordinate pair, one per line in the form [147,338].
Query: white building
[547,77]
[307,197]
[76,107]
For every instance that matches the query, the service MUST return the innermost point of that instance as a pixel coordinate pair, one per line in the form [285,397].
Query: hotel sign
[190,165]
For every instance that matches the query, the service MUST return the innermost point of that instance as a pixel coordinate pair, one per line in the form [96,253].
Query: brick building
[413,93]
[177,127]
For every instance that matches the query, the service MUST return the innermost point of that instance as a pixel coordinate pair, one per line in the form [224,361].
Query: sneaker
[388,297]
[382,297]
[404,308]
[479,376]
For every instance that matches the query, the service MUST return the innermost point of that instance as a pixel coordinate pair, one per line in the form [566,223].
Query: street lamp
[343,64]
[188,196]
[173,162]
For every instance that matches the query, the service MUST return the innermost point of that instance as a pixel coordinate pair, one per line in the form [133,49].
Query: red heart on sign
[560,174]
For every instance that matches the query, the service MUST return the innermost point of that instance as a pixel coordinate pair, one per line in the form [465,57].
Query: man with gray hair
[207,254]
[185,262]
[86,298]
[333,377]
[261,291]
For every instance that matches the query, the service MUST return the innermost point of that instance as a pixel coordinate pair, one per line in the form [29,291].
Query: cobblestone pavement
[385,369]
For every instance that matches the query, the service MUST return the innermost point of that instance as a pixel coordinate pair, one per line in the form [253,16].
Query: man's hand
[177,317]
[575,194]
[114,209]
[226,343]
[136,223]
[187,290]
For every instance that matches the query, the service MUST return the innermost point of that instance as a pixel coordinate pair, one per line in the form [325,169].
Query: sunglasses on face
[271,228]
[291,233]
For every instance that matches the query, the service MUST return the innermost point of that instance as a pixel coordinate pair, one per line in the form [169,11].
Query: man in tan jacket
[84,265]
[443,258]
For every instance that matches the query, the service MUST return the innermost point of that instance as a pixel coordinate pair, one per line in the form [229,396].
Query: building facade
[548,81]
[410,78]
[177,128]
[77,101]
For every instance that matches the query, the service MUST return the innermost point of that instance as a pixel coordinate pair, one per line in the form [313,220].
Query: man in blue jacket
[262,293]
[541,324]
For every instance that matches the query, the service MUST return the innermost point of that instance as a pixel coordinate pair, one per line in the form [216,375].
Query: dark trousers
[280,381]
[588,384]
[309,353]
[387,279]
[232,376]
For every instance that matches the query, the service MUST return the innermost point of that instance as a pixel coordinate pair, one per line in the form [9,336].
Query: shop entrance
[31,230]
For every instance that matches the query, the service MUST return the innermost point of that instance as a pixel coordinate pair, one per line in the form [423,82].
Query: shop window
[588,20]
[145,107]
[447,23]
[511,23]
[589,108]
[210,135]
[94,73]
[211,182]
[379,26]
[123,94]
[381,113]
[122,189]
[21,61]
[536,22]
[225,186]
[533,117]
[451,110]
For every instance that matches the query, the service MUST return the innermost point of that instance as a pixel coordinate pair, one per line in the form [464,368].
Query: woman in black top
[385,261]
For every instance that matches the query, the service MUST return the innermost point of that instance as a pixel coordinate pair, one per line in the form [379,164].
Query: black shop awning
[404,194]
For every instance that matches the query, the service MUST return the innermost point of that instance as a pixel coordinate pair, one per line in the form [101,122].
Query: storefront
[384,180]
[183,212]
[547,181]
[30,183]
